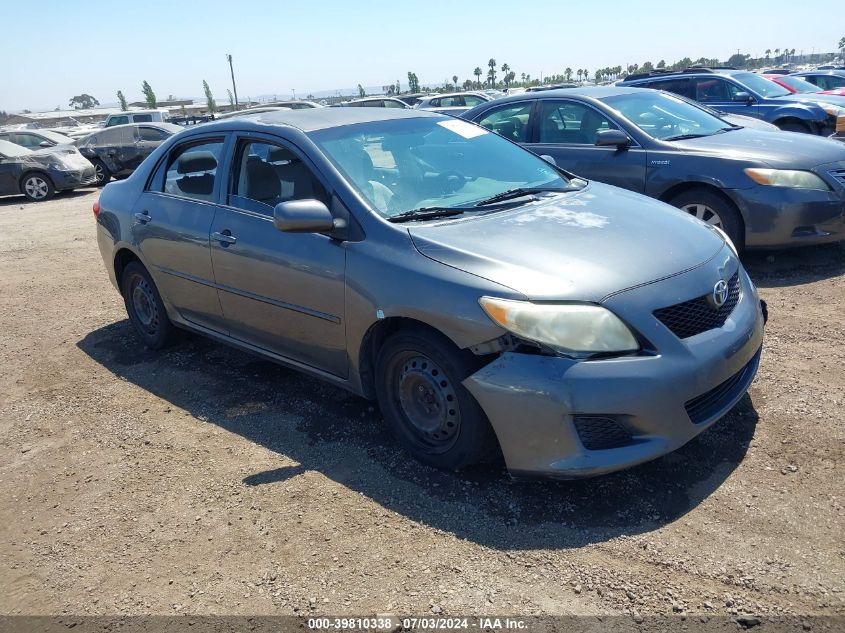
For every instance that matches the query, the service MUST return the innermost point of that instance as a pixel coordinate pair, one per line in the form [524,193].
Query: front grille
[704,407]
[597,433]
[838,175]
[698,315]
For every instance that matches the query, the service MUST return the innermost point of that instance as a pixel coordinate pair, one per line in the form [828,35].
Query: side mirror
[618,138]
[549,159]
[45,144]
[303,216]
[743,97]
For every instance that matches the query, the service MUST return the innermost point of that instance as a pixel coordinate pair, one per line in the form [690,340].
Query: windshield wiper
[520,192]
[426,213]
[683,137]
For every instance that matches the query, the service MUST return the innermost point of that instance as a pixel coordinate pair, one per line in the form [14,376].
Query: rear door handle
[143,218]
[224,238]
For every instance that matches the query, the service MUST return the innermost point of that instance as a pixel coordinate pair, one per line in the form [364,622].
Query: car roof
[838,73]
[313,119]
[591,92]
[688,72]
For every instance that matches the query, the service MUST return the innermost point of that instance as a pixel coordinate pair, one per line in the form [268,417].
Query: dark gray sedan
[489,301]
[40,174]
[764,189]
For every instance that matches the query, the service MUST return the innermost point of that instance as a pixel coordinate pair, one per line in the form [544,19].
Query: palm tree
[579,74]
[777,53]
[506,70]
[492,72]
[842,45]
[455,81]
[477,73]
[568,73]
[768,53]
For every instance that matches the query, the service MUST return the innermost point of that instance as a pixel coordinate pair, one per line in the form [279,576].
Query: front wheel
[145,307]
[418,383]
[37,187]
[711,208]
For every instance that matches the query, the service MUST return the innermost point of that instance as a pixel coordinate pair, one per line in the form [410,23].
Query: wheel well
[121,261]
[793,120]
[373,341]
[683,187]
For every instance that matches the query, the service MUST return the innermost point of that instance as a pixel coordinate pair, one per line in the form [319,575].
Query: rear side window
[510,121]
[830,82]
[118,120]
[472,100]
[192,170]
[151,134]
[679,86]
[142,118]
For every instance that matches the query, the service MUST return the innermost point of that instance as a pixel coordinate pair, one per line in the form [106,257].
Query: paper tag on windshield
[467,130]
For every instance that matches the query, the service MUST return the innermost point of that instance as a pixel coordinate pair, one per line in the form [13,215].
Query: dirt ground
[207,481]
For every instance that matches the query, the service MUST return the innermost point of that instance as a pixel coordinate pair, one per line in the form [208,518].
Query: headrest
[194,162]
[279,154]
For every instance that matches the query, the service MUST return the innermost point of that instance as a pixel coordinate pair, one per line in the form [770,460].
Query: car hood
[787,150]
[581,246]
[819,97]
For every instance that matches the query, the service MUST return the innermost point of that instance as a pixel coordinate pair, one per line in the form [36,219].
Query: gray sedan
[489,302]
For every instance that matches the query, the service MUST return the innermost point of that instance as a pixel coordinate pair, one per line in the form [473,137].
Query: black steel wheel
[144,306]
[418,382]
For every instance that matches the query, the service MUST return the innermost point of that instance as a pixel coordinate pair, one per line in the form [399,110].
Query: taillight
[96,209]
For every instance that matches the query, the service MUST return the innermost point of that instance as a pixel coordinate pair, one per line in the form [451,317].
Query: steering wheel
[450,181]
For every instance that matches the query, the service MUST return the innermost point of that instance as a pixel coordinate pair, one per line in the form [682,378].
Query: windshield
[400,165]
[665,116]
[9,149]
[760,85]
[799,85]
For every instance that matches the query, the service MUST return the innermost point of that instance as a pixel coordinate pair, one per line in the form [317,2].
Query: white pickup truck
[136,116]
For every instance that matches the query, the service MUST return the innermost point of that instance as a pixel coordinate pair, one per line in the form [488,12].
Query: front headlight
[832,110]
[570,328]
[792,178]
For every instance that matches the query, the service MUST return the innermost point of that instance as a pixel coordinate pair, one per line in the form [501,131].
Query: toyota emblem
[720,293]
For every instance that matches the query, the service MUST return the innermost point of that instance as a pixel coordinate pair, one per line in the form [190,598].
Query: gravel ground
[203,480]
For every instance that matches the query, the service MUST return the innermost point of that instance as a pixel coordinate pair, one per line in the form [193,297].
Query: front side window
[666,117]
[472,100]
[268,174]
[151,134]
[510,121]
[27,140]
[390,103]
[118,120]
[405,165]
[192,170]
[571,122]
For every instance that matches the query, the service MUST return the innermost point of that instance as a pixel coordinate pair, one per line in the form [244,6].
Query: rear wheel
[713,209]
[418,382]
[794,126]
[37,186]
[101,172]
[145,307]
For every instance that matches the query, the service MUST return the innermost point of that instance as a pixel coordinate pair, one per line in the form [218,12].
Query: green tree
[648,67]
[468,84]
[568,73]
[122,101]
[842,46]
[477,73]
[83,102]
[738,60]
[210,103]
[455,81]
[491,74]
[231,99]
[413,82]
[361,91]
[149,95]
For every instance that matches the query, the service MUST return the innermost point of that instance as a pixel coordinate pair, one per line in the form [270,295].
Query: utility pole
[234,87]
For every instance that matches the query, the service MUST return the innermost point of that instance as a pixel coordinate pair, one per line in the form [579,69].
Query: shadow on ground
[792,267]
[326,429]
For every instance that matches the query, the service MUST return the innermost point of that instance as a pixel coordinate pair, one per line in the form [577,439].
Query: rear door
[567,131]
[172,221]
[282,292]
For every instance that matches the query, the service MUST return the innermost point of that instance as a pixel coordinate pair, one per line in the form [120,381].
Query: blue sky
[99,48]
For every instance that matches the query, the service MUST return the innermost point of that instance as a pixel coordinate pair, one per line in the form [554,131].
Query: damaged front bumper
[563,418]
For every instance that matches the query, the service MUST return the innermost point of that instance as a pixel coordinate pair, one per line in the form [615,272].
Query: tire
[794,126]
[144,306]
[37,186]
[101,171]
[418,384]
[712,208]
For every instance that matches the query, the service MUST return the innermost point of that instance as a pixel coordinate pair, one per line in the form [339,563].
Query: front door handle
[143,218]
[224,238]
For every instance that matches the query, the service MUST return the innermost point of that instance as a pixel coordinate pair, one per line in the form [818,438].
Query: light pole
[234,87]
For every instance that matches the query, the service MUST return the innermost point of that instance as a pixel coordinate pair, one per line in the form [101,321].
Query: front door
[172,220]
[567,131]
[282,292]
[719,94]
